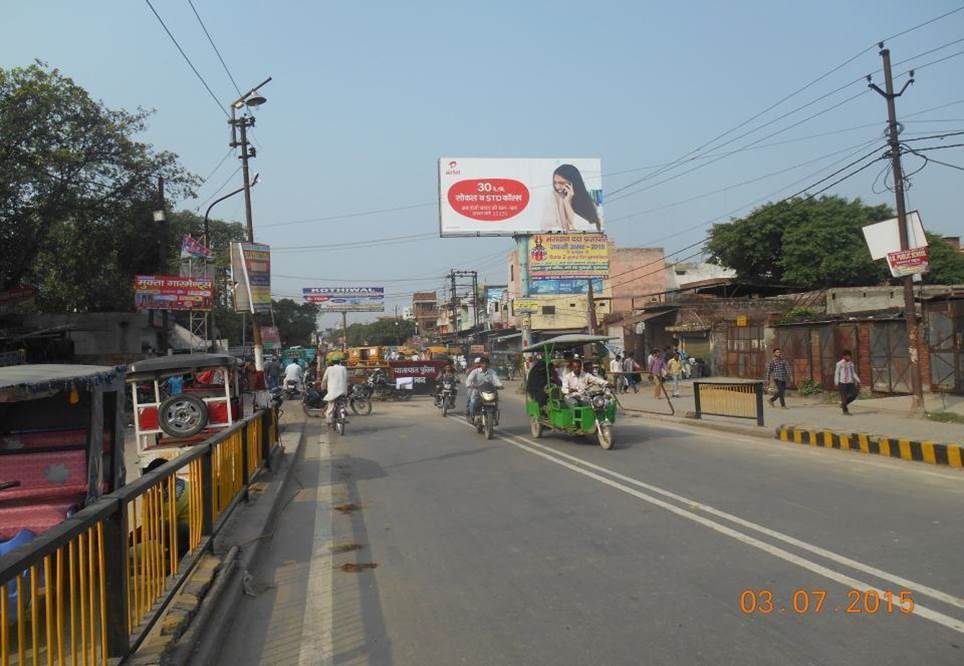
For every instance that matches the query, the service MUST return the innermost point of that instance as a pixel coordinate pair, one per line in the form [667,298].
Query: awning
[644,316]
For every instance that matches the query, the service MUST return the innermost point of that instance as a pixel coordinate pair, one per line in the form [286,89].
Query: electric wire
[214,46]
[187,59]
[218,191]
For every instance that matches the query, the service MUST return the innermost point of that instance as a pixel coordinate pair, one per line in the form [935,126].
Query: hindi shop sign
[251,273]
[908,262]
[346,299]
[560,256]
[170,292]
[525,306]
[508,197]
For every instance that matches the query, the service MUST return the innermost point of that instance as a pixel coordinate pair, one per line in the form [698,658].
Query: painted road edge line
[933,453]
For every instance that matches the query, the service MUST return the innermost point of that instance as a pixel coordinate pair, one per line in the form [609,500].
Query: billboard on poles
[170,292]
[563,264]
[346,299]
[508,196]
[251,274]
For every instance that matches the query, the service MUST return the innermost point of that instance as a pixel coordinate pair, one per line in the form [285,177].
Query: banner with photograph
[508,196]
[170,292]
[251,274]
[568,287]
[192,248]
[346,299]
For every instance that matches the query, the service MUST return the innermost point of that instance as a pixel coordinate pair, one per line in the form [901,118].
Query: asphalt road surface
[414,541]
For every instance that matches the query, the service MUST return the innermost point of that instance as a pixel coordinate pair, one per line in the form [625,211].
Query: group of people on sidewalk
[672,366]
[779,375]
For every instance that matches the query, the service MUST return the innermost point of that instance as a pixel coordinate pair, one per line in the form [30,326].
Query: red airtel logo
[488,199]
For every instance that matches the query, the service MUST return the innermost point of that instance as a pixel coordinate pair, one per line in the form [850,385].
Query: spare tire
[182,415]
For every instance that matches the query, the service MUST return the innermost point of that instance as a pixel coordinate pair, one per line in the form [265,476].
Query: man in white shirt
[575,383]
[335,382]
[616,369]
[295,372]
[481,374]
[847,381]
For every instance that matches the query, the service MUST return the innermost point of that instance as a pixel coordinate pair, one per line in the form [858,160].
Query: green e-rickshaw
[546,406]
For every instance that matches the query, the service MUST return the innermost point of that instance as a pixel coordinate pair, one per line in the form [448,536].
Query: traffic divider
[934,453]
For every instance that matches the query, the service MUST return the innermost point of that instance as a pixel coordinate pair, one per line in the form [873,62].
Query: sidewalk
[887,417]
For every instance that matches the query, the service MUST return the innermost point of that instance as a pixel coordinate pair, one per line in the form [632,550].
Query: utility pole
[453,305]
[910,307]
[160,216]
[591,315]
[344,328]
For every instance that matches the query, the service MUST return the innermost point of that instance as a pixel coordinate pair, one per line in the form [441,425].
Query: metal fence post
[696,399]
[207,491]
[267,419]
[759,403]
[244,457]
[115,581]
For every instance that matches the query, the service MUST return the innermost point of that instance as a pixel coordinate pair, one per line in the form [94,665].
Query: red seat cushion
[33,514]
[50,474]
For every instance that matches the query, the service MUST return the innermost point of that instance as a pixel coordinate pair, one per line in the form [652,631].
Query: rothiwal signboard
[346,299]
[508,197]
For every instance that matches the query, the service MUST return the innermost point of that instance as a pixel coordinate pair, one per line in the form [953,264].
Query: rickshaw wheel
[535,427]
[182,415]
[604,436]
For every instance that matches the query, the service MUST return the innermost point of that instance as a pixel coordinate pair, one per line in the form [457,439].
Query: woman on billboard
[570,207]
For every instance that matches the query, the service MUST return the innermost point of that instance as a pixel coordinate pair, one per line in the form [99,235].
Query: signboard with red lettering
[508,197]
[908,262]
[170,292]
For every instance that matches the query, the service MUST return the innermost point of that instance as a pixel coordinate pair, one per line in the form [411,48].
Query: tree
[808,243]
[383,332]
[76,193]
[946,263]
[295,321]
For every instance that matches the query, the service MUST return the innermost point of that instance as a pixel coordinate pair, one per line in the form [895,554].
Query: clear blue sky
[367,95]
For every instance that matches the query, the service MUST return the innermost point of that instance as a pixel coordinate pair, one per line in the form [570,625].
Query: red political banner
[170,292]
[908,262]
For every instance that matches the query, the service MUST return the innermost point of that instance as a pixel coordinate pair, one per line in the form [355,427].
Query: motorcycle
[381,389]
[602,401]
[341,413]
[486,416]
[359,399]
[445,396]
[291,390]
[314,404]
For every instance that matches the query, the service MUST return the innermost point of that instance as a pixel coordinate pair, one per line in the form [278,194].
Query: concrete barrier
[934,453]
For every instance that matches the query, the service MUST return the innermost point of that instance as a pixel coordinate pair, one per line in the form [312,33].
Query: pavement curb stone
[934,453]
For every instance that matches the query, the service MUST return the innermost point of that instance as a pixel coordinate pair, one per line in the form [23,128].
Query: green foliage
[809,243]
[798,314]
[946,417]
[381,332]
[809,387]
[77,193]
[295,321]
[946,263]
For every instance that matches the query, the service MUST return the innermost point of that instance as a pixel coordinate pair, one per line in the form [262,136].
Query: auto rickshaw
[548,409]
[61,444]
[182,400]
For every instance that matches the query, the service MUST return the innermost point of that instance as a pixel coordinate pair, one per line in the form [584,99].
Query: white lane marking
[317,633]
[922,611]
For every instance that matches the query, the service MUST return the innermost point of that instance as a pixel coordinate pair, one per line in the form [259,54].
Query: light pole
[252,98]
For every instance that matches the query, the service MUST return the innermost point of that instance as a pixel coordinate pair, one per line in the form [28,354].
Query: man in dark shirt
[779,373]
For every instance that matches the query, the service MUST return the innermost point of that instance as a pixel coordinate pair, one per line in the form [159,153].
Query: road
[553,551]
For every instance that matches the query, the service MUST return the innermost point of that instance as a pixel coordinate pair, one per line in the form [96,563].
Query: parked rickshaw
[548,409]
[182,400]
[61,444]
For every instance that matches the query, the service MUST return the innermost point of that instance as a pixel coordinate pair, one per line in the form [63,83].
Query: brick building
[425,311]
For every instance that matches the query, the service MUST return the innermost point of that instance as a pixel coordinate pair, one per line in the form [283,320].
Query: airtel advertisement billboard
[508,197]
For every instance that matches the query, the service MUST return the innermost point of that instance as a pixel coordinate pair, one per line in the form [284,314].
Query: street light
[252,98]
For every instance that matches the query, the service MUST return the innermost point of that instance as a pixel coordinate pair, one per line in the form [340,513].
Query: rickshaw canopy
[22,382]
[186,362]
[567,341]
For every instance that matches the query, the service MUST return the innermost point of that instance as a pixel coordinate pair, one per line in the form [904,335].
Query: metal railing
[742,400]
[91,588]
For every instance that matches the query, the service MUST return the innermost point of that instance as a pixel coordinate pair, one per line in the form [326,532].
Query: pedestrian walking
[847,381]
[658,372]
[779,374]
[631,370]
[675,370]
[272,372]
[649,364]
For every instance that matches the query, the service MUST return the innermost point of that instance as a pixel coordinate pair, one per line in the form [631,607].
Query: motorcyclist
[481,374]
[575,383]
[294,372]
[447,374]
[335,383]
